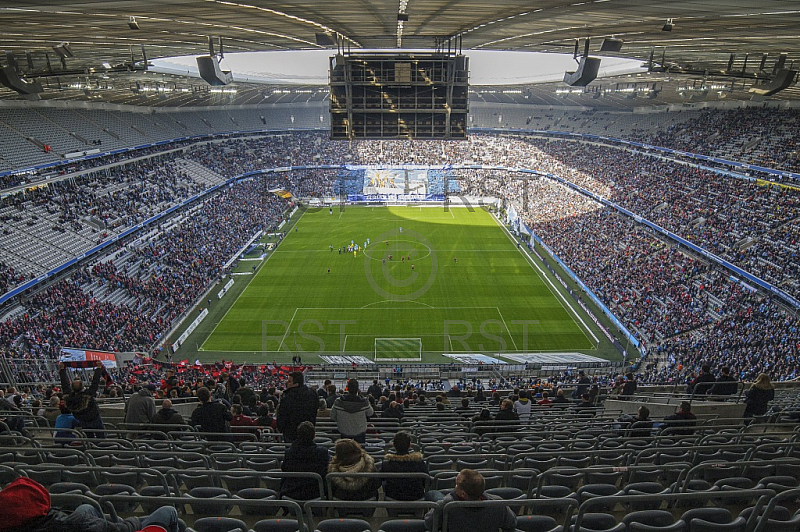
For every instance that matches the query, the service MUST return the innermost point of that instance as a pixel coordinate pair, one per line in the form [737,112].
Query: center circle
[369,252]
[411,238]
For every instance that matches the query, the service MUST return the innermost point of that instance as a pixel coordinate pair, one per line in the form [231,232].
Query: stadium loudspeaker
[783,79]
[586,73]
[611,45]
[325,39]
[337,62]
[210,71]
[10,78]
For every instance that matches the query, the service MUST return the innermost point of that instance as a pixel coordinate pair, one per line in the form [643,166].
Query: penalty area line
[288,329]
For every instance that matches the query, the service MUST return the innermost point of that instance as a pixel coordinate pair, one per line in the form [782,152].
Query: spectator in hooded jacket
[351,458]
[141,407]
[351,413]
[402,460]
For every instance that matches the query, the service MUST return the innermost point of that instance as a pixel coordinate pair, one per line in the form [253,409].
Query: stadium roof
[704,34]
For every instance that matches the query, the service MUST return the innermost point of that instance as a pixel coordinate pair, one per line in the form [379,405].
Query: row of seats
[738,510]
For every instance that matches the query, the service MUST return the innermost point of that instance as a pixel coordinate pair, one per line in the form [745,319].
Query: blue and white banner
[399,198]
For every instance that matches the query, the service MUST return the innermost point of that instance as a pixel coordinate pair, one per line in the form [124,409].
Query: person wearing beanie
[349,457]
[26,508]
[523,406]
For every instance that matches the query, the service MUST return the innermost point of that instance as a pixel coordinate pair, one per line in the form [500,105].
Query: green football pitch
[430,279]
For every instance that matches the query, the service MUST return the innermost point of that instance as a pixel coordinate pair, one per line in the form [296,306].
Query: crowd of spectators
[755,135]
[75,215]
[164,275]
[753,226]
[12,180]
[127,196]
[666,297]
[9,277]
[283,396]
[748,224]
[686,309]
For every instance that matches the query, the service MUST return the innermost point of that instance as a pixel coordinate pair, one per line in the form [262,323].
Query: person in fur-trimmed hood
[402,460]
[351,458]
[351,412]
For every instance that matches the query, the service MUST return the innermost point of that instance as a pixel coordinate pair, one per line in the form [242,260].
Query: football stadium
[400,266]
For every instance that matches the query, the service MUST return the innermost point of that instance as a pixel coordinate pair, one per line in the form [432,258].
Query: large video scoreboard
[399,96]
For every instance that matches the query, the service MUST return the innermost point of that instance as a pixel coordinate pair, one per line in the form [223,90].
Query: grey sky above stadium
[704,34]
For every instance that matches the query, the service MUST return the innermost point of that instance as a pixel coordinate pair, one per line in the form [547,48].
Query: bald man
[167,415]
[470,486]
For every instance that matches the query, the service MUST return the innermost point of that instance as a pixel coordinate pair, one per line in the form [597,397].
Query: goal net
[395,349]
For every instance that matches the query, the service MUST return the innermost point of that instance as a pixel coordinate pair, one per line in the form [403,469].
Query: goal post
[398,349]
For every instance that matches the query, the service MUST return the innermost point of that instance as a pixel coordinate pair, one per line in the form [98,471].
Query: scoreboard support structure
[414,95]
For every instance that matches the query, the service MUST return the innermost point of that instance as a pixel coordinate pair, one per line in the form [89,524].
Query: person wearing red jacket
[239,419]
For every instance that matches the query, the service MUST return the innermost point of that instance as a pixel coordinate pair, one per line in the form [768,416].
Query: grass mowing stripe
[244,292]
[554,289]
